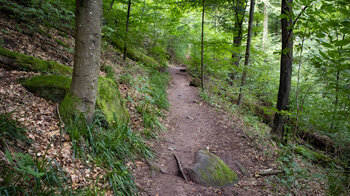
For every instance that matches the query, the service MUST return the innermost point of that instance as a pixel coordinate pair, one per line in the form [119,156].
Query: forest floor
[193,125]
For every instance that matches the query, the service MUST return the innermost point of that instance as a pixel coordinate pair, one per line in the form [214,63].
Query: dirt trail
[194,125]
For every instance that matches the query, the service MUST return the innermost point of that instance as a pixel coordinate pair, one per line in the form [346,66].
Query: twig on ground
[269,172]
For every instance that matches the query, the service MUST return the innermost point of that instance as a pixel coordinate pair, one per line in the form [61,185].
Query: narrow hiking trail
[192,125]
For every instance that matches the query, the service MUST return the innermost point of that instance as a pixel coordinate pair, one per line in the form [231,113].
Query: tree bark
[336,100]
[87,55]
[202,52]
[239,10]
[247,52]
[266,27]
[286,70]
[126,30]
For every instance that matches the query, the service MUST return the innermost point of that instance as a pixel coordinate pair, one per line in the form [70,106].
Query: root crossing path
[192,125]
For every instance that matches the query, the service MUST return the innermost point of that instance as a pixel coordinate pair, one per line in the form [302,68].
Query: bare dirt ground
[193,125]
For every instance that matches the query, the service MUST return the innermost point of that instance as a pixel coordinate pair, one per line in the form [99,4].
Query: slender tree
[239,11]
[87,55]
[247,52]
[286,69]
[126,29]
[202,45]
[266,25]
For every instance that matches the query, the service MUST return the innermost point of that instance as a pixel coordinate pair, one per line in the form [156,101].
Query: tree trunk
[111,5]
[202,52]
[286,70]
[87,55]
[247,52]
[298,84]
[336,100]
[266,27]
[126,30]
[239,10]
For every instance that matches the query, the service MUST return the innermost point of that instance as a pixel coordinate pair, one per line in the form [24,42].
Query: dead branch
[269,172]
[180,167]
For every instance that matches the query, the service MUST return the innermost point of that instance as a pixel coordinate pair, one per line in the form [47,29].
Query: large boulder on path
[210,170]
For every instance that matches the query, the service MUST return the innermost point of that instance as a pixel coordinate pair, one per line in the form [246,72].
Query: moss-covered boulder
[56,87]
[15,60]
[52,87]
[210,170]
[110,102]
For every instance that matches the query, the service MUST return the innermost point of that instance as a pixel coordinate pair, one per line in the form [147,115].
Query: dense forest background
[211,39]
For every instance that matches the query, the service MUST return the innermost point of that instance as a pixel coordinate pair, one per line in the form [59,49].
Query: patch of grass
[109,149]
[11,132]
[159,82]
[20,173]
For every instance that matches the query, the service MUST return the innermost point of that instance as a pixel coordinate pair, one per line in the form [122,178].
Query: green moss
[30,63]
[109,71]
[137,55]
[212,171]
[312,155]
[68,107]
[56,88]
[51,87]
[110,102]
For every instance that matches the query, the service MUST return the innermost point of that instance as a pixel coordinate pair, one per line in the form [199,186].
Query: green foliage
[11,132]
[28,176]
[30,63]
[36,12]
[109,149]
[20,173]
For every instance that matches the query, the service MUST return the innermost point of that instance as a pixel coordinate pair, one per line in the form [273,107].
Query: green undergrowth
[20,173]
[109,149]
[30,63]
[151,85]
[47,13]
[138,56]
[300,168]
[301,164]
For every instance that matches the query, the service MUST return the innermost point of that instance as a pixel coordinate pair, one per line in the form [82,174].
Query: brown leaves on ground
[40,118]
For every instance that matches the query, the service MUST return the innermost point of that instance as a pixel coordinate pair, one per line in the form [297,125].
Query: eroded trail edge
[192,125]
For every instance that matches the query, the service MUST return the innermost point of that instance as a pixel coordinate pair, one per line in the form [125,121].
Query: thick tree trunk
[202,52]
[266,27]
[286,70]
[87,55]
[126,30]
[247,52]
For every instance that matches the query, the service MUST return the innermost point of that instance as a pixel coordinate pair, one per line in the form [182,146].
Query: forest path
[193,125]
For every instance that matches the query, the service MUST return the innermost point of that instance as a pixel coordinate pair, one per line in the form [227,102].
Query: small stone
[172,148]
[190,118]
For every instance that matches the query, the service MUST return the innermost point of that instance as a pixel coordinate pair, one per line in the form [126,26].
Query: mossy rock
[30,63]
[210,170]
[56,89]
[110,102]
[312,155]
[51,87]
